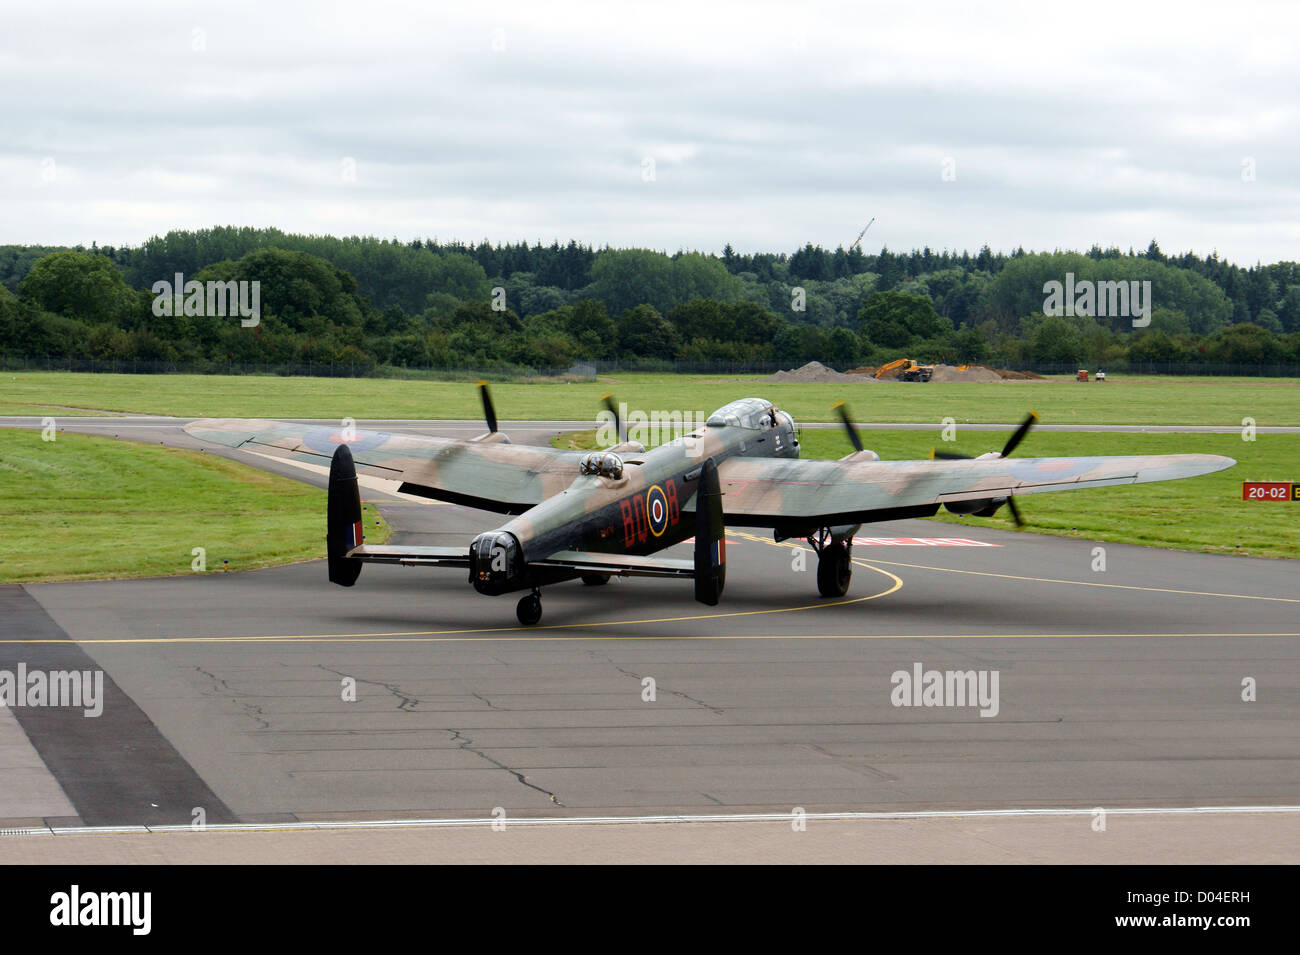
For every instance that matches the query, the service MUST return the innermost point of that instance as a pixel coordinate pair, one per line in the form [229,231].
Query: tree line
[425,303]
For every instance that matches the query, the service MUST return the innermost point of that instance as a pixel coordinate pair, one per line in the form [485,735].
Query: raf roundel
[325,440]
[656,510]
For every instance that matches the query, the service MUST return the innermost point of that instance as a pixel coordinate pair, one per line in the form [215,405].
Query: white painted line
[488,821]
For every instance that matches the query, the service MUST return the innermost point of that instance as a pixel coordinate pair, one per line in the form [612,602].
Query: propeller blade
[489,412]
[854,438]
[1019,434]
[1015,513]
[608,399]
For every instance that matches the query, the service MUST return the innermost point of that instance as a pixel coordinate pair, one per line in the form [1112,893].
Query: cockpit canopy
[602,464]
[755,414]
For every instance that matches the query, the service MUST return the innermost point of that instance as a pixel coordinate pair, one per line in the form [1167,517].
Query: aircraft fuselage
[639,503]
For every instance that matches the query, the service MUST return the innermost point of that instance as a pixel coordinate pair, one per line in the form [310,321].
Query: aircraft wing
[795,495]
[492,475]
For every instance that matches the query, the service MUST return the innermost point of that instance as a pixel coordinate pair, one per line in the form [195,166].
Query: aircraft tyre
[834,570]
[529,610]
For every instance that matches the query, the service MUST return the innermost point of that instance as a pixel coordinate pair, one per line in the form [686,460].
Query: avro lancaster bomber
[594,515]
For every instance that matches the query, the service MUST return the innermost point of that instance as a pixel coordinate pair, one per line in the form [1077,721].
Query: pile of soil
[815,371]
[973,373]
[945,373]
[1018,375]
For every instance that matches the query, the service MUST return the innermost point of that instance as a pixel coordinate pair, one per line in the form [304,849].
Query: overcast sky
[658,124]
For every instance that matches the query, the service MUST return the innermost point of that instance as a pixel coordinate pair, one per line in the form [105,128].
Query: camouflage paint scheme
[568,523]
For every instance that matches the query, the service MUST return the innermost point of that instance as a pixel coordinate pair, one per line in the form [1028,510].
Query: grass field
[1204,514]
[1139,400]
[84,507]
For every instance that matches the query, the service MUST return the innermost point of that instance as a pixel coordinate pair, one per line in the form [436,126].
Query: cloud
[768,125]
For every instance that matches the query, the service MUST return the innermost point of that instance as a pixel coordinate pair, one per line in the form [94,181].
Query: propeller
[1019,435]
[608,399]
[1015,512]
[1012,443]
[854,438]
[489,412]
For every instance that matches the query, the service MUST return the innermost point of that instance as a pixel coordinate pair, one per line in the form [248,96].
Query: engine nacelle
[982,507]
[496,564]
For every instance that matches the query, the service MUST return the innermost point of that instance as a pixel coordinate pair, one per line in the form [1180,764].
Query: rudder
[710,537]
[343,529]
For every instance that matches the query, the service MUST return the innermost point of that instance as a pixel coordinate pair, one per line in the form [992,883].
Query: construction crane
[861,234]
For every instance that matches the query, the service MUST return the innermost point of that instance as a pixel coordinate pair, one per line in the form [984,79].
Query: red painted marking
[639,521]
[1269,491]
[920,542]
[629,522]
[906,542]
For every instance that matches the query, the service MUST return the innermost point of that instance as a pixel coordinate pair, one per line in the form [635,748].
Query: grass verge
[83,508]
[1138,400]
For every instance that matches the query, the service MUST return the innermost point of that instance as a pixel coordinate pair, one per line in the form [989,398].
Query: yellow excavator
[905,369]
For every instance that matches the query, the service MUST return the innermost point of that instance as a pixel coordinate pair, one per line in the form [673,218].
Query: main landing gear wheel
[595,580]
[529,610]
[834,569]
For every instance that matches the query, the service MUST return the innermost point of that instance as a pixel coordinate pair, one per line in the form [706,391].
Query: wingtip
[230,432]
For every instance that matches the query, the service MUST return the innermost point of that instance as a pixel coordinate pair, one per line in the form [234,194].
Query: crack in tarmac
[409,703]
[467,744]
[717,711]
[252,710]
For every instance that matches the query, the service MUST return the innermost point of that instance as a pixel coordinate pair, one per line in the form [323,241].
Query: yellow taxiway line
[1040,580]
[520,634]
